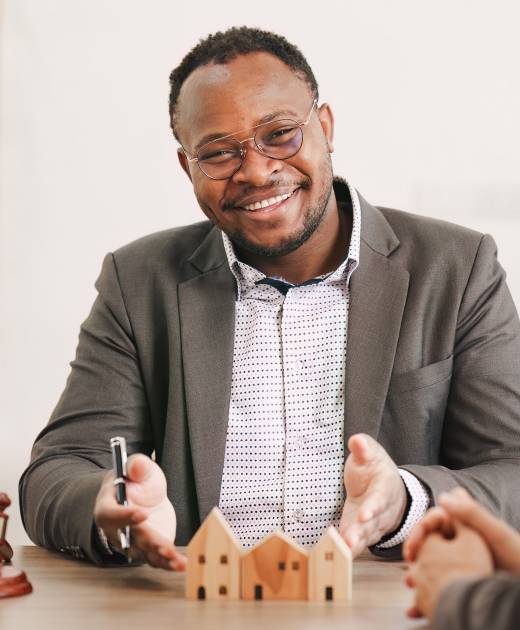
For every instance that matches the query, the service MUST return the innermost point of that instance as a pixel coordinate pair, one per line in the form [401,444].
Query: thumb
[362,448]
[139,468]
[147,485]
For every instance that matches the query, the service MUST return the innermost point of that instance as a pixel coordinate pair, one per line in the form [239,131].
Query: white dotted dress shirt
[284,457]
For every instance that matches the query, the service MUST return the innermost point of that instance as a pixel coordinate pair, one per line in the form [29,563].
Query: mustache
[304,184]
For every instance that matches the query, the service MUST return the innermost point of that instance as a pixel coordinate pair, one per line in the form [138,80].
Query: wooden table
[76,595]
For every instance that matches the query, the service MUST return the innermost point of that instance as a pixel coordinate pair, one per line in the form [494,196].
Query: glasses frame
[243,150]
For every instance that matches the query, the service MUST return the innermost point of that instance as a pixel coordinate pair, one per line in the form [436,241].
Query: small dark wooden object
[13,582]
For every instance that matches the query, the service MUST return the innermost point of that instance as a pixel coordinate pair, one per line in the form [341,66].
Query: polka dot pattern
[284,457]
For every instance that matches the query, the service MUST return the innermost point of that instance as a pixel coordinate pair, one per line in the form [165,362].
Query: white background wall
[426,96]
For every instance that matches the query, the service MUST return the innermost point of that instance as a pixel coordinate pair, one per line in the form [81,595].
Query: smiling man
[301,358]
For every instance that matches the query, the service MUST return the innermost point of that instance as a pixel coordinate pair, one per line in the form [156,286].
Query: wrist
[403,505]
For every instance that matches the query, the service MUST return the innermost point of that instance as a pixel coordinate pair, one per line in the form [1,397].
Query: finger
[139,468]
[414,613]
[409,580]
[156,549]
[358,536]
[161,556]
[435,519]
[114,516]
[362,448]
[177,560]
[156,559]
[354,539]
[461,505]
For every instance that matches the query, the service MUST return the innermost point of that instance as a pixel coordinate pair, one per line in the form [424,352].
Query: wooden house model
[213,569]
[275,568]
[330,569]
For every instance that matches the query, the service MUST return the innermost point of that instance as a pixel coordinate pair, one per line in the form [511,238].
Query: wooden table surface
[76,595]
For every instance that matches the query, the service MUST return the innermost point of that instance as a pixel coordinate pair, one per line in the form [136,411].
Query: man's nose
[256,167]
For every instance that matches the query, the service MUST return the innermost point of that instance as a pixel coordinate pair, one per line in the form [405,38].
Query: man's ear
[183,161]
[327,123]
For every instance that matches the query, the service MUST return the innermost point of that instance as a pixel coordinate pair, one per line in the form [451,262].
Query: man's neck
[322,253]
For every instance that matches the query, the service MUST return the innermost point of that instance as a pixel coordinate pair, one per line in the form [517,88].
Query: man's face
[219,99]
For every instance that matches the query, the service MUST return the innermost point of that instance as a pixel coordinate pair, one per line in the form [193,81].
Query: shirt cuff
[420,502]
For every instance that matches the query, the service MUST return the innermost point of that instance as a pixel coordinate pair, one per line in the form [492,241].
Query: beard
[312,219]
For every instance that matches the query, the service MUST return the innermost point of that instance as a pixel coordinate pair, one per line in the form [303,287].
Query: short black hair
[223,46]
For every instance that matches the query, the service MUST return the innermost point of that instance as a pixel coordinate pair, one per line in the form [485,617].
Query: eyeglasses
[278,139]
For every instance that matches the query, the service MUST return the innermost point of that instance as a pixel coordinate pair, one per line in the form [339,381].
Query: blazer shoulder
[422,237]
[167,248]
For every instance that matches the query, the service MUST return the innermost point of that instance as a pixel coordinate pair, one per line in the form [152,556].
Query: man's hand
[376,495]
[441,561]
[502,540]
[149,513]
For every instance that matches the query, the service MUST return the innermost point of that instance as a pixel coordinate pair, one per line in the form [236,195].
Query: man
[253,352]
[454,552]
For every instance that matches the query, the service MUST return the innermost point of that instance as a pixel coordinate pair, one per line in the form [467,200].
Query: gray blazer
[492,602]
[433,371]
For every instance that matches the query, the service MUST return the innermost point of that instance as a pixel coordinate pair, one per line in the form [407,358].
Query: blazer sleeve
[104,396]
[480,446]
[479,605]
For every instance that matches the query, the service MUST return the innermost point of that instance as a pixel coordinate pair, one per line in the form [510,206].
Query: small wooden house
[213,569]
[330,569]
[275,568]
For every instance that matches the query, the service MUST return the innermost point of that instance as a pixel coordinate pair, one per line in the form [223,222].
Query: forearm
[479,605]
[492,483]
[57,498]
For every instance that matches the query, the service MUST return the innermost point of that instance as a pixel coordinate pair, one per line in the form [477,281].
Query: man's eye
[218,155]
[279,136]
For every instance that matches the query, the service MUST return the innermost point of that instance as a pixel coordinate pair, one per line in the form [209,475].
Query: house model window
[295,566]
[222,590]
[202,559]
[329,555]
[223,559]
[281,566]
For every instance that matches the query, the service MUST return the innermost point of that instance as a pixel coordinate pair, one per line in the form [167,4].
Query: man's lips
[268,212]
[265,202]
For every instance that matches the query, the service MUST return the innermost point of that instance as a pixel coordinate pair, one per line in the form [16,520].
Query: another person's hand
[149,513]
[441,561]
[376,495]
[502,540]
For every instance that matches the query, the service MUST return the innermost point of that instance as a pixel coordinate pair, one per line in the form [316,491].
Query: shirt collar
[247,276]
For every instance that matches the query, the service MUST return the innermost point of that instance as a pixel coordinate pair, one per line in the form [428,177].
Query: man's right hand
[149,513]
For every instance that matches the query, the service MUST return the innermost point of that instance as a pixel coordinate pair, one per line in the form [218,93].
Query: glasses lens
[280,139]
[220,159]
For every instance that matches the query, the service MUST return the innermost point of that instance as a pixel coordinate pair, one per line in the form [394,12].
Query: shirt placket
[293,365]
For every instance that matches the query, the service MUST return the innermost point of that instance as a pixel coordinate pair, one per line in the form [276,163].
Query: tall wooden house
[330,569]
[213,570]
[275,568]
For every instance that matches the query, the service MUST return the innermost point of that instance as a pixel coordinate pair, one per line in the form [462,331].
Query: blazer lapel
[378,290]
[207,320]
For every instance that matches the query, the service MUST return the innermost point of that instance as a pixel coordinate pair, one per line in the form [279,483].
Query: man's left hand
[376,495]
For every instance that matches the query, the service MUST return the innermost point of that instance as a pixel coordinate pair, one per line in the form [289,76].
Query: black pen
[118,448]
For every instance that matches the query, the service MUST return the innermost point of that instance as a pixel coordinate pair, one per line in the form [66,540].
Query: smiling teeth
[268,202]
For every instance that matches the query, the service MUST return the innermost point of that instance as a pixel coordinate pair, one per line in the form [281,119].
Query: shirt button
[298,514]
[297,367]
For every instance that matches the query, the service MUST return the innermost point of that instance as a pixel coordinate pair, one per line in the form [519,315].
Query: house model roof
[278,533]
[215,519]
